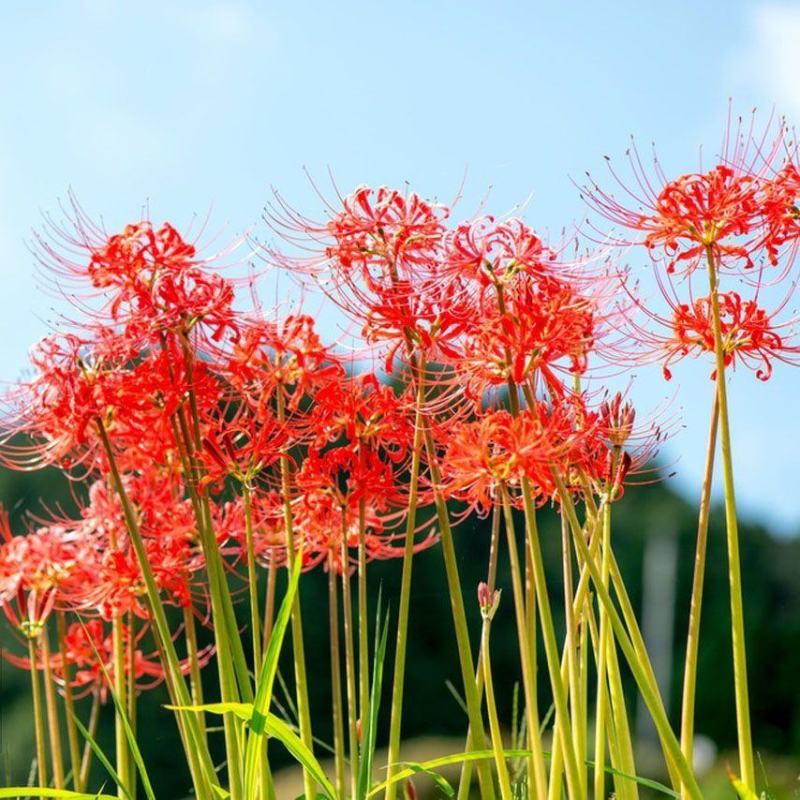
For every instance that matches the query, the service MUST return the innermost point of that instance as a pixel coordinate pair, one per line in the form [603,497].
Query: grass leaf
[266,679]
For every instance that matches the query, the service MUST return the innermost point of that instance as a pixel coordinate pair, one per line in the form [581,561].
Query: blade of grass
[266,679]
[371,730]
[101,757]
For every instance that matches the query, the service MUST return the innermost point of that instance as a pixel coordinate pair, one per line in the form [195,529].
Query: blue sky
[198,106]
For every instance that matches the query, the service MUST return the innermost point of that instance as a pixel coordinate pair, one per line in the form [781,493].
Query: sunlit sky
[201,107]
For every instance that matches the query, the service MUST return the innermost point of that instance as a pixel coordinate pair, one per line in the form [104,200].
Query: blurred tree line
[772,605]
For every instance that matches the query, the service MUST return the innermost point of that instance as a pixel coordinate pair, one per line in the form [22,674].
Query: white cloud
[223,22]
[770,62]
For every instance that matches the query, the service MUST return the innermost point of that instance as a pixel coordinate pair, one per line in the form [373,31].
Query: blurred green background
[654,532]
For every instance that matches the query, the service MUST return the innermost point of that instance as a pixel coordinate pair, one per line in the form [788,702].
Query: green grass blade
[101,756]
[371,729]
[278,729]
[129,735]
[275,727]
[266,679]
[243,711]
[65,794]
[443,784]
[480,755]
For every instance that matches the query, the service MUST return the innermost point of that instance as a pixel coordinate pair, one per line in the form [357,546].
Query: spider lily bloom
[380,259]
[539,327]
[499,448]
[616,448]
[151,280]
[89,653]
[752,335]
[493,252]
[720,210]
[40,571]
[364,412]
[285,356]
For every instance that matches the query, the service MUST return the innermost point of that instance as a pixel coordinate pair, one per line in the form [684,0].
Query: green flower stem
[459,617]
[363,615]
[124,765]
[649,695]
[88,753]
[563,726]
[746,763]
[51,704]
[269,601]
[491,581]
[624,760]
[491,709]
[196,744]
[698,579]
[38,714]
[453,579]
[398,677]
[195,679]
[298,645]
[336,681]
[252,578]
[349,661]
[69,704]
[552,655]
[130,674]
[537,774]
[574,682]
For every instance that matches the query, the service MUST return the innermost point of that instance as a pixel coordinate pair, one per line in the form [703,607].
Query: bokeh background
[198,109]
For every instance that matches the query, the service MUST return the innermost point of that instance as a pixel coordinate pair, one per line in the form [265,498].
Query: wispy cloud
[221,22]
[769,64]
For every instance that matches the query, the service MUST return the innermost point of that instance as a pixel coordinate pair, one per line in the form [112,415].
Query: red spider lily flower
[750,335]
[365,412]
[500,448]
[350,475]
[39,572]
[615,449]
[287,354]
[383,226]
[494,252]
[720,210]
[152,279]
[331,532]
[81,381]
[541,326]
[780,210]
[89,653]
[380,259]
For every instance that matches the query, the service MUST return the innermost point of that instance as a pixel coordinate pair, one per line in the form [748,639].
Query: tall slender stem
[459,618]
[349,660]
[69,703]
[363,615]
[746,763]
[603,646]
[491,582]
[121,689]
[336,680]
[491,708]
[298,645]
[195,678]
[536,780]
[198,751]
[649,694]
[51,704]
[252,578]
[698,579]
[398,678]
[38,714]
[94,719]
